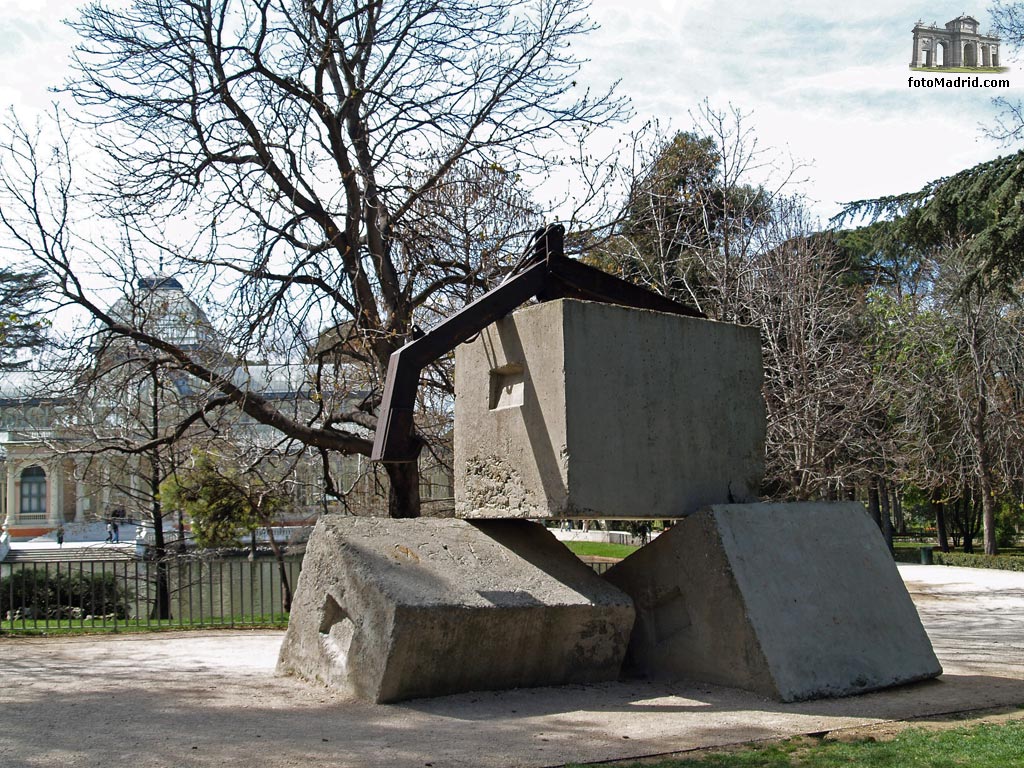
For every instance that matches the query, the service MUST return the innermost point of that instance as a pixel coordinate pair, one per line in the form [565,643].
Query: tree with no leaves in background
[700,208]
[295,151]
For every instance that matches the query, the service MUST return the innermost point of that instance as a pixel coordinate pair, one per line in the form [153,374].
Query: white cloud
[826,81]
[34,50]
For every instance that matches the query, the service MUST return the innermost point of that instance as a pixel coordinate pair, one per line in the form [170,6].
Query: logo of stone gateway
[957,47]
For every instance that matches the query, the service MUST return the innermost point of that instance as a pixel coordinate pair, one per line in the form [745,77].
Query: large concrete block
[588,410]
[793,601]
[397,609]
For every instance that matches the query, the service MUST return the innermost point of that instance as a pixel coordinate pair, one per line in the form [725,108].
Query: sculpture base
[793,601]
[397,609]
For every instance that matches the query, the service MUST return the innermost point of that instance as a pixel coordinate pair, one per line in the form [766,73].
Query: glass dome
[161,307]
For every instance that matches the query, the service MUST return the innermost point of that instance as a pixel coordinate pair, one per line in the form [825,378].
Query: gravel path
[212,699]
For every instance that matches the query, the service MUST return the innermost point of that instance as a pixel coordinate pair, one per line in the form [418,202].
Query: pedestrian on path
[60,536]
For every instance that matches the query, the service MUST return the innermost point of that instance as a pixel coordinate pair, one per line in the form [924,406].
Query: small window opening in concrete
[507,386]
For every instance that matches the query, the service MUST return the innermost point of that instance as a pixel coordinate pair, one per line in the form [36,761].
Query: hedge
[962,559]
[39,594]
[965,560]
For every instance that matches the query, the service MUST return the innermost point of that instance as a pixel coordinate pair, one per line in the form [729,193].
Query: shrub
[39,594]
[965,560]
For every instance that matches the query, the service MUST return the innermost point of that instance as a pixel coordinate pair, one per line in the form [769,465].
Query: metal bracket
[546,275]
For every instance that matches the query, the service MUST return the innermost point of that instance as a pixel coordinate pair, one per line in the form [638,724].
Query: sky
[824,82]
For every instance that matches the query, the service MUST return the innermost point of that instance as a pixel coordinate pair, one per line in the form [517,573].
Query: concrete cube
[586,410]
[396,609]
[793,601]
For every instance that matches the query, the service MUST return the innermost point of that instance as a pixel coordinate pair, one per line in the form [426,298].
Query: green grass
[40,627]
[913,544]
[980,746]
[600,549]
[959,70]
[978,547]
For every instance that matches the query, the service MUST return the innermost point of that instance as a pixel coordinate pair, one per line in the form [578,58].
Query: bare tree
[291,155]
[818,389]
[699,210]
[1008,24]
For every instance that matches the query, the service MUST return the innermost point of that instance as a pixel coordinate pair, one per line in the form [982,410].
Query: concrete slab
[586,410]
[211,700]
[397,609]
[793,601]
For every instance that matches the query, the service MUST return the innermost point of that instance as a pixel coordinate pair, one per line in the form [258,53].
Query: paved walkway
[211,699]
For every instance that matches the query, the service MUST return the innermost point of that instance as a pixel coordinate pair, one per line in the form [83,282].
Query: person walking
[117,533]
[110,531]
[60,536]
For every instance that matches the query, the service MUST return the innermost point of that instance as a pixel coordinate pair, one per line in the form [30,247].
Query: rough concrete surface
[397,609]
[793,601]
[211,699]
[581,409]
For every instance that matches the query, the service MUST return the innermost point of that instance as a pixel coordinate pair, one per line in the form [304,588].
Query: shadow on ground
[211,699]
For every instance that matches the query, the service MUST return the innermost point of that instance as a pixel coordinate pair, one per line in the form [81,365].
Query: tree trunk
[162,607]
[988,513]
[886,516]
[979,431]
[873,508]
[939,511]
[282,569]
[404,493]
[897,507]
[181,532]
[967,512]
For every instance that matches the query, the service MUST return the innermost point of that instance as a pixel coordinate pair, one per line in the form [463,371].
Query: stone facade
[958,44]
[48,425]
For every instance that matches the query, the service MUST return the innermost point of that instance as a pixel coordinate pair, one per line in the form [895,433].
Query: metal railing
[124,595]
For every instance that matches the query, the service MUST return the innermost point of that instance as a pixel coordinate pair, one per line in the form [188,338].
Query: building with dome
[58,428]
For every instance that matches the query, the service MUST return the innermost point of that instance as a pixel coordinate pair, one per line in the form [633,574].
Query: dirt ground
[212,699]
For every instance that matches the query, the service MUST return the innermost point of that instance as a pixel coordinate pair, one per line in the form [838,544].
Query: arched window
[33,492]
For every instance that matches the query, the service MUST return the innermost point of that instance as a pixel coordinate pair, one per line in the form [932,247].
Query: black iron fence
[121,595]
[178,593]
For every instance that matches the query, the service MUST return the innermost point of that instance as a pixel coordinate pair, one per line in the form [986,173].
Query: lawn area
[986,745]
[600,549]
[959,70]
[1010,551]
[95,626]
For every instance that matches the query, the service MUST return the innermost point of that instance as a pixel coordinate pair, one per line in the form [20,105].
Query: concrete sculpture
[793,601]
[579,409]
